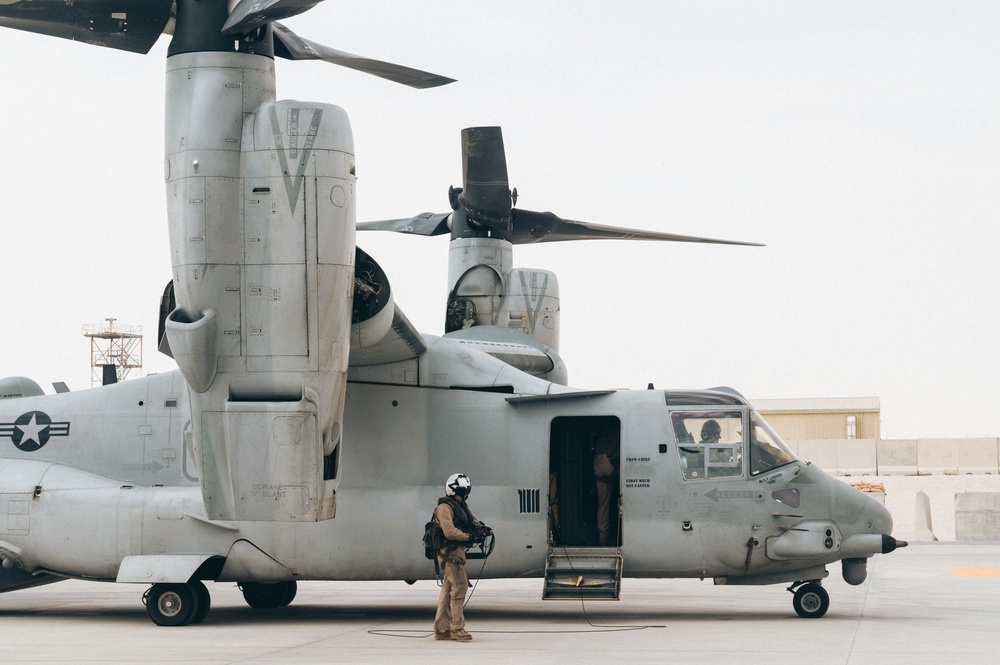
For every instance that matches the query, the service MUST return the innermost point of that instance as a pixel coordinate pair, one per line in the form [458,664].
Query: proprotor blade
[289,45]
[483,207]
[424,224]
[531,227]
[249,15]
[127,25]
[485,188]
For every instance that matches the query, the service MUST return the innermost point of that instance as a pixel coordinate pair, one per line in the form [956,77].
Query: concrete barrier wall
[902,457]
[897,457]
[846,457]
[937,457]
[977,516]
[978,456]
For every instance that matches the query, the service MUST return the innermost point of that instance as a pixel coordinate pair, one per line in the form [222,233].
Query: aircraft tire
[204,600]
[811,601]
[268,596]
[291,588]
[172,604]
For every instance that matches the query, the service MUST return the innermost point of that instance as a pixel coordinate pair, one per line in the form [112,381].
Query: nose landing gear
[811,601]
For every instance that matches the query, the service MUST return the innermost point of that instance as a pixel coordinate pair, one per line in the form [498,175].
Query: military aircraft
[309,428]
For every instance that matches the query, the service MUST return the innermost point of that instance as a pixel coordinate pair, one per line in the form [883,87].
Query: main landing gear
[811,601]
[177,604]
[183,604]
[261,596]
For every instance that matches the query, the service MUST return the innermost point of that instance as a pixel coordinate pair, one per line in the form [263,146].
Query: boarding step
[590,573]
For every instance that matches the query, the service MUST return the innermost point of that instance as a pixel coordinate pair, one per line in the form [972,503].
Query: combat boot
[442,634]
[460,635]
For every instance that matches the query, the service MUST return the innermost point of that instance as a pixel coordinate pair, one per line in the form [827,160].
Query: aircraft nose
[867,530]
[864,513]
[879,517]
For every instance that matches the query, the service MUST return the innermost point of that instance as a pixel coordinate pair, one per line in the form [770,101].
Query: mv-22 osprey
[309,429]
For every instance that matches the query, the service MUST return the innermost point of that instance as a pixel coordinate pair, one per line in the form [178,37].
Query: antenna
[113,346]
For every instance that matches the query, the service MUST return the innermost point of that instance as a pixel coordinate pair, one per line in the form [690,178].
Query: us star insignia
[32,430]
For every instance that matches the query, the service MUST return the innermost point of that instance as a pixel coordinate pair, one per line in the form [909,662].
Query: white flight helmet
[458,484]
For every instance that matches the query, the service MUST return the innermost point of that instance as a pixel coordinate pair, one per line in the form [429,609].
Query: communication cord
[594,628]
[486,549]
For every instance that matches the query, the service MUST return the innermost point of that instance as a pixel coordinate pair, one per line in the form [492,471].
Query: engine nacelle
[260,198]
[485,290]
[373,307]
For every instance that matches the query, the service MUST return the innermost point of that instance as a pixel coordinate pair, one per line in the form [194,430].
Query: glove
[480,533]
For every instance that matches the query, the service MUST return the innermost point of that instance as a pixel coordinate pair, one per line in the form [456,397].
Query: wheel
[268,596]
[204,600]
[811,601]
[291,588]
[172,604]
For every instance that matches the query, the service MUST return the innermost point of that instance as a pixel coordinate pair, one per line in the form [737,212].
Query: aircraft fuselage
[112,474]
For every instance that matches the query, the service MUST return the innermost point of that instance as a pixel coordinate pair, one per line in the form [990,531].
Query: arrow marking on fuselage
[716,494]
[154,467]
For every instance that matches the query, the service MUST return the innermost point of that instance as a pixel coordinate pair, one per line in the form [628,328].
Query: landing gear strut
[811,601]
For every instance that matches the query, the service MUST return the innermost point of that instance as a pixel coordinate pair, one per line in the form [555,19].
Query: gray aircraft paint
[405,438]
[293,442]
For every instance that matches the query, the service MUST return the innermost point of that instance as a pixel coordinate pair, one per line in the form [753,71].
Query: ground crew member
[604,474]
[458,528]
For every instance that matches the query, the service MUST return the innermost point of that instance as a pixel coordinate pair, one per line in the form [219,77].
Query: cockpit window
[767,450]
[709,443]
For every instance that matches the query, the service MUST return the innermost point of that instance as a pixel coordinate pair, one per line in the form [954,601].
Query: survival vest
[434,538]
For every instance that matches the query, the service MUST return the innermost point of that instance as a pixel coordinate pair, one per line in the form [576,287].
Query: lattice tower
[114,344]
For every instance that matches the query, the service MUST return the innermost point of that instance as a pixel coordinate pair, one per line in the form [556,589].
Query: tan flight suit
[455,582]
[604,470]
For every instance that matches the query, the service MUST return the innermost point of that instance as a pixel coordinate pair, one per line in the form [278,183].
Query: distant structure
[823,418]
[115,350]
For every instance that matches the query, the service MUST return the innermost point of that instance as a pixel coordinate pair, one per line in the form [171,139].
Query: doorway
[585,481]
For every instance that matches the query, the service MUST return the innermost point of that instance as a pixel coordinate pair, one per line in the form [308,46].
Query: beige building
[823,417]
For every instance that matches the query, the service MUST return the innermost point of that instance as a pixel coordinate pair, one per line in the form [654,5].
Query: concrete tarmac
[928,603]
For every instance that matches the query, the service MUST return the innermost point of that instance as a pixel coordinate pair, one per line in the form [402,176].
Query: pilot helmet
[458,484]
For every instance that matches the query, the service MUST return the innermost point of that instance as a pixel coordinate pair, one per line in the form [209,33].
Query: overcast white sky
[859,140]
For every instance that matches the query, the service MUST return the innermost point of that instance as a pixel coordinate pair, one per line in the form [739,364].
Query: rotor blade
[249,15]
[424,224]
[531,227]
[485,188]
[289,45]
[128,25]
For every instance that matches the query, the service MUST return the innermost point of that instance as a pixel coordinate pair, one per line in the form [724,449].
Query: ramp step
[591,574]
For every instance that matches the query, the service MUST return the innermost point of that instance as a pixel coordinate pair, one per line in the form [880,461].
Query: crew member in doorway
[604,473]
[458,528]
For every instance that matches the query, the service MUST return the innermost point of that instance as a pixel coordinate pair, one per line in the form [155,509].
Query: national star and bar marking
[32,430]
